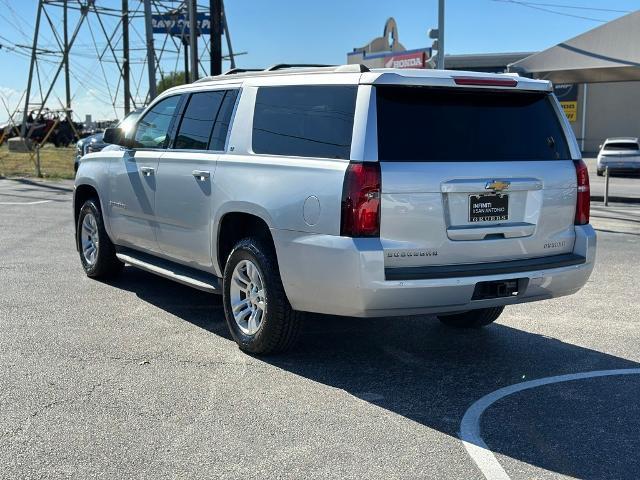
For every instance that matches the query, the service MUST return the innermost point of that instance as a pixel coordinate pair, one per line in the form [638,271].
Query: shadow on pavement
[26,181]
[417,368]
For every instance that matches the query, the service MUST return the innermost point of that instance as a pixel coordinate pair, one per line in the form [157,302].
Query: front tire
[473,318]
[600,173]
[256,308]
[97,253]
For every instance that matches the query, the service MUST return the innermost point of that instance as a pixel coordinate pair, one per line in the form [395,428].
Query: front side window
[129,122]
[304,121]
[153,129]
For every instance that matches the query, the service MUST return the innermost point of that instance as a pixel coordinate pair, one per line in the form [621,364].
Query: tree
[171,80]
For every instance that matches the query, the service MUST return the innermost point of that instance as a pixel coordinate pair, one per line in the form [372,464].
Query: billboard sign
[567,94]
[407,60]
[178,23]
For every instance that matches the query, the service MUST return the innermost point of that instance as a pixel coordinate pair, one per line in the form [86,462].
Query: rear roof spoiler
[454,79]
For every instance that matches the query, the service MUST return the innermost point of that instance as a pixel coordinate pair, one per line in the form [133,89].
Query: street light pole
[440,34]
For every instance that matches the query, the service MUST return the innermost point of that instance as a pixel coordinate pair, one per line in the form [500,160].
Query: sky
[289,31]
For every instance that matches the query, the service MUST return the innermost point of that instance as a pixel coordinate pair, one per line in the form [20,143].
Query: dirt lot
[54,162]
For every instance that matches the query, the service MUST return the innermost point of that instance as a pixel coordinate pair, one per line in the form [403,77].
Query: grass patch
[54,162]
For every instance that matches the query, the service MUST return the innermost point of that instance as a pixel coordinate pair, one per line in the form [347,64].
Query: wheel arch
[81,194]
[236,224]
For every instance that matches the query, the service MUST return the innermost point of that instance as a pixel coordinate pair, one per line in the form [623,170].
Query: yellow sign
[570,110]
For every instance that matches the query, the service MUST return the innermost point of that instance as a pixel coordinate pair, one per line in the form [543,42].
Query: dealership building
[596,75]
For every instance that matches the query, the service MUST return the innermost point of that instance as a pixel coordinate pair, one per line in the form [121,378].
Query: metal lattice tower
[123,44]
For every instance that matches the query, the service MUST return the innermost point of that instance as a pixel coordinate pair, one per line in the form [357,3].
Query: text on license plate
[488,208]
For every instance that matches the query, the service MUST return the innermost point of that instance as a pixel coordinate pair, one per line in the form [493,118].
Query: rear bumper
[619,166]
[344,276]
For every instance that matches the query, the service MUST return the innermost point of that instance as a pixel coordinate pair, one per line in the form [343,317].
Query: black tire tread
[108,265]
[284,322]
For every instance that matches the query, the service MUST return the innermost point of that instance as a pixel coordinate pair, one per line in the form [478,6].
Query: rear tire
[473,318]
[256,308]
[97,252]
[600,173]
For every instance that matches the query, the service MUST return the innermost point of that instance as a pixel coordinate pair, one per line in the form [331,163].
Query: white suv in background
[344,191]
[621,154]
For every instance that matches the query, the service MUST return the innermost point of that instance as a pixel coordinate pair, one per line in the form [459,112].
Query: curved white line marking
[37,202]
[470,425]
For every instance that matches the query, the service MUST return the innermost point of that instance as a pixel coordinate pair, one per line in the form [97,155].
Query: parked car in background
[95,143]
[620,155]
[344,191]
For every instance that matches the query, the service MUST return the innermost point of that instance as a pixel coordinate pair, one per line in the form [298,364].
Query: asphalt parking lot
[620,185]
[138,378]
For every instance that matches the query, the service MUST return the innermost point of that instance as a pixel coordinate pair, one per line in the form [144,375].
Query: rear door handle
[201,175]
[147,171]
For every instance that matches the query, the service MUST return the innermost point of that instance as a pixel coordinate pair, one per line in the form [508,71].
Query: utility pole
[193,37]
[215,7]
[440,34]
[125,57]
[150,50]
[23,127]
[67,81]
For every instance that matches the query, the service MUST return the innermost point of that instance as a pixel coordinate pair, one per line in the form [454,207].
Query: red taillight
[486,82]
[361,200]
[583,202]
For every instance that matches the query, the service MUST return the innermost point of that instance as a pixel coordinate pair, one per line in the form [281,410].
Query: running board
[173,271]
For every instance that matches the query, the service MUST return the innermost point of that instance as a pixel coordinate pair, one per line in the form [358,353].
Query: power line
[536,6]
[574,7]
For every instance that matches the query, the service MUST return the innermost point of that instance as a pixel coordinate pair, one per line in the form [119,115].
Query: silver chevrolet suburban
[344,191]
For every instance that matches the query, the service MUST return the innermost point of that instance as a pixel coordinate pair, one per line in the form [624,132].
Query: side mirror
[600,147]
[116,136]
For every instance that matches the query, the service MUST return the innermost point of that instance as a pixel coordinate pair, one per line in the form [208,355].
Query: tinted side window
[221,127]
[440,125]
[198,119]
[153,129]
[304,121]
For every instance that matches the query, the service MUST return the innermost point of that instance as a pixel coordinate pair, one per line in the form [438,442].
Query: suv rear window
[621,146]
[440,125]
[304,121]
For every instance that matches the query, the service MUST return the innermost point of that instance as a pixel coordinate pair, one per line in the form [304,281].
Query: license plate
[488,208]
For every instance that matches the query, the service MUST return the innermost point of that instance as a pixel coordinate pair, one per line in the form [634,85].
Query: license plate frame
[488,207]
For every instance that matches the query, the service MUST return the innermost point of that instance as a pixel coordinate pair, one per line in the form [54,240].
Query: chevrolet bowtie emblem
[497,185]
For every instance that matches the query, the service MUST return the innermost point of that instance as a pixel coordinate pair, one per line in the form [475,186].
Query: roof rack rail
[233,71]
[350,68]
[282,66]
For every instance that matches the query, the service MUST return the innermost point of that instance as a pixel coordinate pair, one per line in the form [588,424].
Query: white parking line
[37,202]
[470,425]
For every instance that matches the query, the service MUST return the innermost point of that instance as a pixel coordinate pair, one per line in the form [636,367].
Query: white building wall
[612,110]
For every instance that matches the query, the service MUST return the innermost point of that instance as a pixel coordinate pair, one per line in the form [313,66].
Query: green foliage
[171,80]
